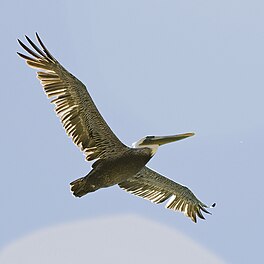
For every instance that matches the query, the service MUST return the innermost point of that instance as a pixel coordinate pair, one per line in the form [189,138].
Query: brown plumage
[116,163]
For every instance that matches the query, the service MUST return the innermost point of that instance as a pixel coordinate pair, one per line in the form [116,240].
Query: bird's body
[115,162]
[111,171]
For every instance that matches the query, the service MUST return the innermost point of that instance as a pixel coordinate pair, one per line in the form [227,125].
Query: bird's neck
[153,148]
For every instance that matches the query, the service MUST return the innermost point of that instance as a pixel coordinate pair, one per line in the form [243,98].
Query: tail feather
[81,186]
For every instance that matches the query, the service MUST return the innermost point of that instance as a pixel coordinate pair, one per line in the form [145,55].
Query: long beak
[161,140]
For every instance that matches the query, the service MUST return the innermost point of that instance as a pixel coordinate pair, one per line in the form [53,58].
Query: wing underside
[156,188]
[73,104]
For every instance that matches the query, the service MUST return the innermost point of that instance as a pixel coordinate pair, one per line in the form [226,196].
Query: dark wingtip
[203,209]
[213,205]
[44,48]
[27,38]
[200,214]
[20,42]
[38,37]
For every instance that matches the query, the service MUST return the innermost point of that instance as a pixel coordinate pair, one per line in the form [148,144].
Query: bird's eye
[149,136]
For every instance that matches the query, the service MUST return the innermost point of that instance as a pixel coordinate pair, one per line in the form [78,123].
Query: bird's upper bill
[160,140]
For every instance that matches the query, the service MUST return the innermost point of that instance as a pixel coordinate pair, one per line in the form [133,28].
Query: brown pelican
[115,163]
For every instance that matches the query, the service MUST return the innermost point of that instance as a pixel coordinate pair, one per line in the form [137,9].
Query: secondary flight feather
[115,162]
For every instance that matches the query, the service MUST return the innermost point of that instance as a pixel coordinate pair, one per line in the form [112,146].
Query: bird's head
[153,142]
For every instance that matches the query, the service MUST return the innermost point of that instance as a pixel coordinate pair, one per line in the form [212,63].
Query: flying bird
[115,163]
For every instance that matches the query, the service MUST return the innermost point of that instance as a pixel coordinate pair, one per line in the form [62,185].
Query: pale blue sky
[152,67]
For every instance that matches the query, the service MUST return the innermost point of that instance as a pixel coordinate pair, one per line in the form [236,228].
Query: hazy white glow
[119,239]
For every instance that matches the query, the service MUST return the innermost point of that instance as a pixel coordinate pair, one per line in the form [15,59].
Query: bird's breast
[117,169]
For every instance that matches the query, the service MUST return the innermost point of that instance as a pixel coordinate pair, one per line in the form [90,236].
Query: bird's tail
[81,186]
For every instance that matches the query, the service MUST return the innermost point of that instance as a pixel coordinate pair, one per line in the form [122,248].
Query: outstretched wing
[152,186]
[73,104]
